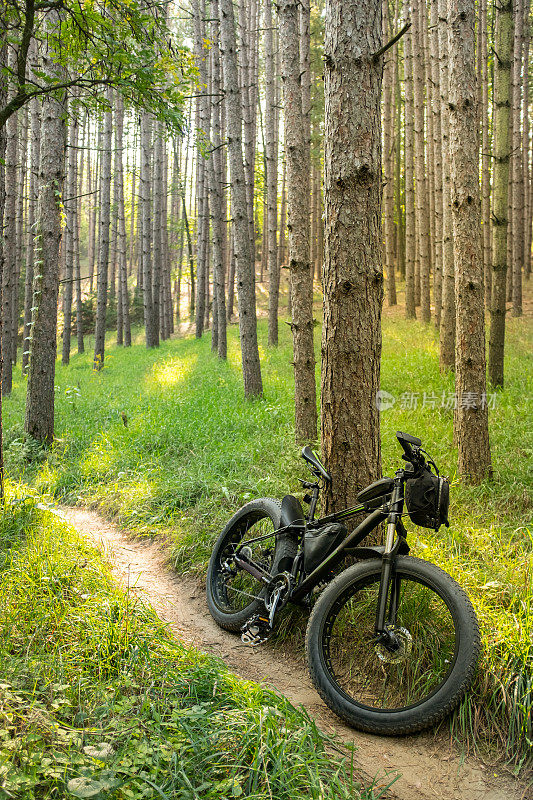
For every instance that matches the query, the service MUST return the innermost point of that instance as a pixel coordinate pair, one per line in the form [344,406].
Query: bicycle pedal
[256,631]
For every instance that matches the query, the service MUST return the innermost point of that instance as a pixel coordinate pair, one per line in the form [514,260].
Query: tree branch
[392,41]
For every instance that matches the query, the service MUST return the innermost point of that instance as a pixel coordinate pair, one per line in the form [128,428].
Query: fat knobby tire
[286,547]
[427,712]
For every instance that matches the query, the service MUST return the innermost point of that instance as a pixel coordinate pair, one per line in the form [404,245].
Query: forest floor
[423,766]
[162,442]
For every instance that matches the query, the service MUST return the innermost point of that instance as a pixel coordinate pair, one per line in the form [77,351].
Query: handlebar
[411,446]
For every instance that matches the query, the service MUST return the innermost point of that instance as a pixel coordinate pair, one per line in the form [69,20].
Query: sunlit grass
[96,691]
[194,450]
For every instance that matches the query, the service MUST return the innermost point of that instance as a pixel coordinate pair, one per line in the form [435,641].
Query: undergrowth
[97,700]
[163,441]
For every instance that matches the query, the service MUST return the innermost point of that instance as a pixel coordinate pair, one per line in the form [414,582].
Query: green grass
[98,700]
[194,450]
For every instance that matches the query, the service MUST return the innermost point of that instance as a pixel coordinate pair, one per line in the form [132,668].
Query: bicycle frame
[390,511]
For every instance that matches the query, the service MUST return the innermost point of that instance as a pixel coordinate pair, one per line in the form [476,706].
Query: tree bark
[421,187]
[33,190]
[271,154]
[251,368]
[297,150]
[503,45]
[122,265]
[485,154]
[71,189]
[447,325]
[471,418]
[410,231]
[353,276]
[517,176]
[389,159]
[103,238]
[218,199]
[39,420]
[146,204]
[437,158]
[10,246]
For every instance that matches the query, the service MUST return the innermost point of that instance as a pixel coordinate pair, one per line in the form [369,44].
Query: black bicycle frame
[391,511]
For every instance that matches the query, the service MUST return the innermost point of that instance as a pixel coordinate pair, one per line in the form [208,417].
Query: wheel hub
[403,645]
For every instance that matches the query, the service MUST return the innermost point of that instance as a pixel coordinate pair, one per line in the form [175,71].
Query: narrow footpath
[427,768]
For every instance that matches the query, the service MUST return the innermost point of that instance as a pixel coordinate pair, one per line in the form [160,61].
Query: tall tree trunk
[297,149]
[146,204]
[203,114]
[471,419]
[410,231]
[421,188]
[71,187]
[10,246]
[253,386]
[437,158]
[218,198]
[353,276]
[21,181]
[122,265]
[525,144]
[271,153]
[103,238]
[78,213]
[389,160]
[485,153]
[3,142]
[516,164]
[157,222]
[447,324]
[33,189]
[39,421]
[503,45]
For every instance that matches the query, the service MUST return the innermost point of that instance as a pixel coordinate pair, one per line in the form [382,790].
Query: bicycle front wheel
[413,686]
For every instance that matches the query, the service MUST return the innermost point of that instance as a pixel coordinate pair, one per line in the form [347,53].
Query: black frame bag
[427,497]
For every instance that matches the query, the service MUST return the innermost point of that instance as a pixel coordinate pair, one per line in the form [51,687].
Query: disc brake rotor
[405,641]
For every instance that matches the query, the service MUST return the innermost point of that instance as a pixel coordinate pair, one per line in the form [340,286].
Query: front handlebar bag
[428,499]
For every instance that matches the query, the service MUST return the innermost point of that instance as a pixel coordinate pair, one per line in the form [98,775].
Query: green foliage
[123,43]
[194,450]
[97,700]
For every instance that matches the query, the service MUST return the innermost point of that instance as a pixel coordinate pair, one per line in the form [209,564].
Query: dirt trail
[427,768]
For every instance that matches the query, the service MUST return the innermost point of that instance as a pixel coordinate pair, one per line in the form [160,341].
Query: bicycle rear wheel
[233,595]
[407,689]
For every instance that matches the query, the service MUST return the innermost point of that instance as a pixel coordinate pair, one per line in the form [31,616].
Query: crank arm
[253,570]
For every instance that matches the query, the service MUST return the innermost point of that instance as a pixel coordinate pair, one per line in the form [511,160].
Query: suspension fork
[388,562]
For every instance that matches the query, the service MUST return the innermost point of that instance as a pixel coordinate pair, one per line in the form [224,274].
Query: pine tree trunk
[503,45]
[122,265]
[251,368]
[410,229]
[437,158]
[103,238]
[388,161]
[218,199]
[271,148]
[33,189]
[485,154]
[447,324]
[3,142]
[421,188]
[525,146]
[297,149]
[39,421]
[517,165]
[70,204]
[21,181]
[146,205]
[203,115]
[471,419]
[10,247]
[157,222]
[353,277]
